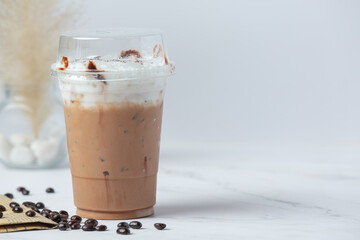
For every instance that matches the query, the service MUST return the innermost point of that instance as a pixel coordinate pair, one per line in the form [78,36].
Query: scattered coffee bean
[88,228]
[20,189]
[17,209]
[92,222]
[135,225]
[54,213]
[34,209]
[123,231]
[76,218]
[2,208]
[123,224]
[28,204]
[25,192]
[13,204]
[50,190]
[72,222]
[45,214]
[9,195]
[40,205]
[101,228]
[64,214]
[65,222]
[46,210]
[76,226]
[30,213]
[55,217]
[160,226]
[62,226]
[1,214]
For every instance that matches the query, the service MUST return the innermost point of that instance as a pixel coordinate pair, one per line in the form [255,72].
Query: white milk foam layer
[89,91]
[114,80]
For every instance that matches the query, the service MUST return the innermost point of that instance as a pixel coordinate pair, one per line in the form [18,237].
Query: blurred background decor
[31,120]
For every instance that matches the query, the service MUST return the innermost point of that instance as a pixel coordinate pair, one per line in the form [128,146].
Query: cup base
[115,215]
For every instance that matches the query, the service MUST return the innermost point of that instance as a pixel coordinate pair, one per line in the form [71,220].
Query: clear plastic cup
[112,85]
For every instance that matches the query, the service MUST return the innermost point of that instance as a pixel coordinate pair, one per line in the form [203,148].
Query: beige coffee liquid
[114,155]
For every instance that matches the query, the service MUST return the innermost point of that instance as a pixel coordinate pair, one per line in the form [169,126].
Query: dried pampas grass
[29,32]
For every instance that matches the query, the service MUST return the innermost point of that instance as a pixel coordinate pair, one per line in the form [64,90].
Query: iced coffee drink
[113,92]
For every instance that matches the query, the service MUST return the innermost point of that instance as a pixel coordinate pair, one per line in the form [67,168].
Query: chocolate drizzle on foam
[157,50]
[130,53]
[64,62]
[92,68]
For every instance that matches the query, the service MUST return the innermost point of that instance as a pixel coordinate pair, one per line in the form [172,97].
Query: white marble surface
[232,192]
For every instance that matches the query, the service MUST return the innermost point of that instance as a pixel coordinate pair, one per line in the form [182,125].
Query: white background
[261,73]
[253,71]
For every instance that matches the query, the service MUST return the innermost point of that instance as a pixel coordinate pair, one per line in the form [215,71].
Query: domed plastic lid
[128,52]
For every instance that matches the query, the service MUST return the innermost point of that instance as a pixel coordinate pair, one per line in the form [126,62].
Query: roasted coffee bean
[30,213]
[91,221]
[62,226]
[76,218]
[76,226]
[1,214]
[20,189]
[40,205]
[45,214]
[72,222]
[28,204]
[65,222]
[55,217]
[54,213]
[135,224]
[9,195]
[50,190]
[13,204]
[25,192]
[2,208]
[123,231]
[63,212]
[101,228]
[160,226]
[34,209]
[88,228]
[46,210]
[123,224]
[17,209]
